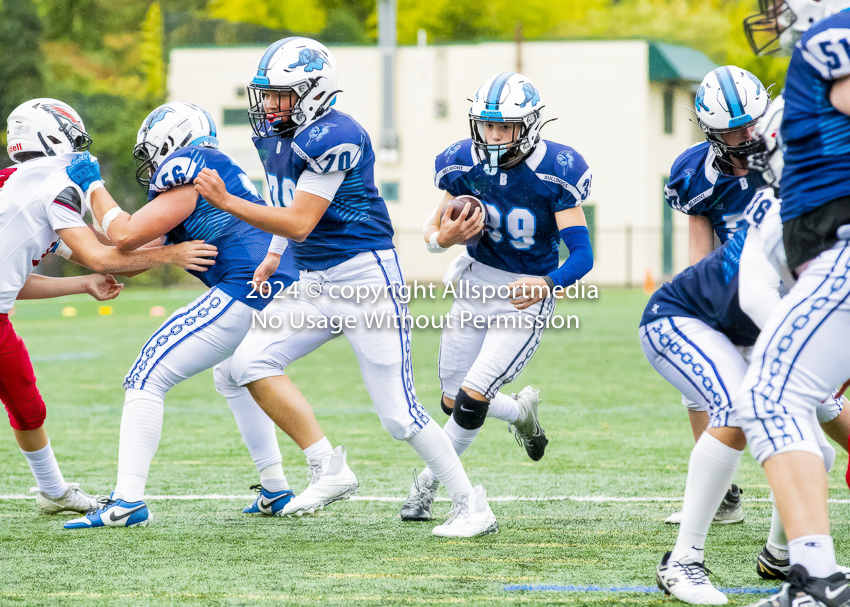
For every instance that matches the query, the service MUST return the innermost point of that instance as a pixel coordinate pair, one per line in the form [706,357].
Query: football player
[175,142]
[711,183]
[319,164]
[532,190]
[696,332]
[800,355]
[39,205]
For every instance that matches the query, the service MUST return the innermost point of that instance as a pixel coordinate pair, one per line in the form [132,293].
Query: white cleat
[331,481]
[471,516]
[688,582]
[74,499]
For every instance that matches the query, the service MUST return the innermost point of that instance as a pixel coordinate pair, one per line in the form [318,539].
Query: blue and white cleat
[114,513]
[268,503]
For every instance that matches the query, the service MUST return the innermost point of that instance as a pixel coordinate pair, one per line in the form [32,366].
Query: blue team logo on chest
[566,160]
[319,131]
[310,59]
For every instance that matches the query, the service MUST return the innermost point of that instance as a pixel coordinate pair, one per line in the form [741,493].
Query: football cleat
[470,516]
[688,582]
[114,513]
[74,499]
[420,499]
[268,503]
[771,568]
[526,428]
[731,510]
[331,480]
[802,590]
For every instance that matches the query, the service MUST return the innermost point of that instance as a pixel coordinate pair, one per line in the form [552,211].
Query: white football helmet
[785,21]
[296,80]
[170,127]
[770,160]
[730,99]
[44,127]
[511,98]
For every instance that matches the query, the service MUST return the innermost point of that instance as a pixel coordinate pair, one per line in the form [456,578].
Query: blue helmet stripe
[495,92]
[267,56]
[730,92]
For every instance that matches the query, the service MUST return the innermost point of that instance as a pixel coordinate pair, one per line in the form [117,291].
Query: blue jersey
[357,219]
[522,235]
[816,136]
[241,247]
[697,187]
[708,291]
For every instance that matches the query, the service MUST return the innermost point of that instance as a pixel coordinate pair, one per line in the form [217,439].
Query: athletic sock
[141,428]
[257,430]
[318,450]
[273,479]
[814,552]
[711,467]
[504,407]
[461,438]
[434,447]
[777,542]
[426,477]
[46,471]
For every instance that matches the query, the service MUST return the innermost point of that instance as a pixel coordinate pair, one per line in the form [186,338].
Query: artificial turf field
[616,430]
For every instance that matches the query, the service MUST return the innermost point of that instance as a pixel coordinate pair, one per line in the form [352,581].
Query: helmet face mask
[168,128]
[507,154]
[764,29]
[296,80]
[769,160]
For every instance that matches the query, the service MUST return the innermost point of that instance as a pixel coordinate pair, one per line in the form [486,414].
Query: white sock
[427,477]
[318,450]
[433,446]
[711,468]
[777,542]
[814,552]
[504,407]
[257,430]
[141,428]
[273,479]
[46,471]
[461,438]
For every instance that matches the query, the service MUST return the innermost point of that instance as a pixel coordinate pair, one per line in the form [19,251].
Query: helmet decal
[700,100]
[60,110]
[565,159]
[310,59]
[756,80]
[531,94]
[454,148]
[157,115]
[319,131]
[730,92]
[495,94]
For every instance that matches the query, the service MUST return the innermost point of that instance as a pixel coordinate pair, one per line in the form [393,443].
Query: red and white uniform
[36,199]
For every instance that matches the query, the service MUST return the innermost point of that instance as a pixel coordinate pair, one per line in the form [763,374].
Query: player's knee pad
[469,413]
[224,382]
[446,409]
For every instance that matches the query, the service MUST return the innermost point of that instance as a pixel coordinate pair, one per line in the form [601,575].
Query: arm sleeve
[323,185]
[580,261]
[758,280]
[278,245]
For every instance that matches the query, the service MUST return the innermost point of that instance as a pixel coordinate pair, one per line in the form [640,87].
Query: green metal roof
[668,62]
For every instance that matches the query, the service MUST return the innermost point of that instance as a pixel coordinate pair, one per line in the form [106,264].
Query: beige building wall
[600,93]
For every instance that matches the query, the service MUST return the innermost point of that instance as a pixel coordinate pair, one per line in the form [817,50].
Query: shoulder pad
[692,179]
[180,168]
[70,197]
[454,161]
[824,46]
[334,143]
[563,166]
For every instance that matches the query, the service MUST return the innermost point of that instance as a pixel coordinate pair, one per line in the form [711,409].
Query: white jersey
[37,198]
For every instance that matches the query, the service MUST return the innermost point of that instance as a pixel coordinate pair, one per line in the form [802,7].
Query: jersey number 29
[519,223]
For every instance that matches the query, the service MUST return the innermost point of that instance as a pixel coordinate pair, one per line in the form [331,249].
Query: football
[456,205]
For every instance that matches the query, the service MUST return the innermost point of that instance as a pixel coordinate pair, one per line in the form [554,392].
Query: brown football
[456,208]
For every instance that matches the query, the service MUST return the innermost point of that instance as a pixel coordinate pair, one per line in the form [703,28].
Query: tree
[151,53]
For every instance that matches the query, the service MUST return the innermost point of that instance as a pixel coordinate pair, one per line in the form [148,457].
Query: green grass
[616,428]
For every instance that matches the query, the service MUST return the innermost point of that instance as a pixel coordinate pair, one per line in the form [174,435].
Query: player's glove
[85,172]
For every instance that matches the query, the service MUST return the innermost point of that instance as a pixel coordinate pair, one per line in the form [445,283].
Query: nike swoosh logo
[267,504]
[114,518]
[831,594]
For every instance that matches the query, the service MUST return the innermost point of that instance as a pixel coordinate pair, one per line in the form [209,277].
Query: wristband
[95,185]
[433,245]
[108,217]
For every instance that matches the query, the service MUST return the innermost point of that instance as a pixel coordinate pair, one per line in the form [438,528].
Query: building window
[389,191]
[590,216]
[235,117]
[669,96]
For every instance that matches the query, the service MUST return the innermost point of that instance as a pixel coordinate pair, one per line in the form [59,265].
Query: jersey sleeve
[828,51]
[330,146]
[451,165]
[567,172]
[677,190]
[323,185]
[180,168]
[61,217]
